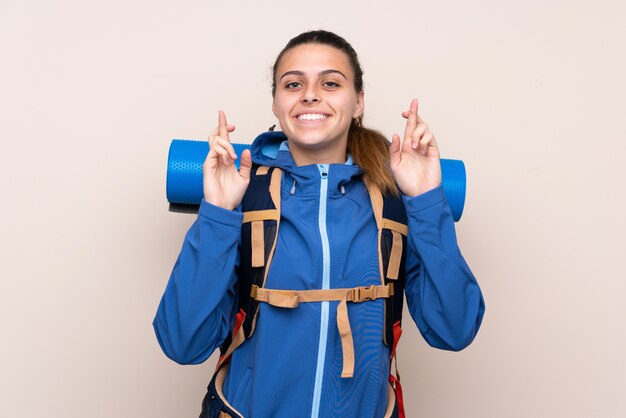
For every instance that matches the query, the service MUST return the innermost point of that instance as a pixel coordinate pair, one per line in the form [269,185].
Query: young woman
[320,307]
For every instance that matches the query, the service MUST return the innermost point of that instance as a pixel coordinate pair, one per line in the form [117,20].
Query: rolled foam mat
[184,176]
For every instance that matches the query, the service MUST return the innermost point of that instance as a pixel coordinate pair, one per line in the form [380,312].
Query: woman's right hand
[224,186]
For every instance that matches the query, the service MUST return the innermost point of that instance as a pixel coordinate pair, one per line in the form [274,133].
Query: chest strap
[292,298]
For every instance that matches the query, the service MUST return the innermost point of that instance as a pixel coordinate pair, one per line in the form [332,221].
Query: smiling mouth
[312,116]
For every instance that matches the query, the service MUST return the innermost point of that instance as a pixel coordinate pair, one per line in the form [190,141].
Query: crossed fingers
[416,134]
[219,141]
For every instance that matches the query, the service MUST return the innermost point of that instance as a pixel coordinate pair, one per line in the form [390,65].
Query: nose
[310,95]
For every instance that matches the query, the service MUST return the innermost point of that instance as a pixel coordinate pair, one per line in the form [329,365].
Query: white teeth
[312,116]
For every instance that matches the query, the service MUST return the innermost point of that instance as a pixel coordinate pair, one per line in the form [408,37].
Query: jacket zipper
[321,351]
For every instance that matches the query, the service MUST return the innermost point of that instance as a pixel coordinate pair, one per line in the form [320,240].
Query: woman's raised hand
[224,186]
[415,162]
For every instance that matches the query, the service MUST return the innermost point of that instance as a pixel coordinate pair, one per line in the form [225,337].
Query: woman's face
[315,99]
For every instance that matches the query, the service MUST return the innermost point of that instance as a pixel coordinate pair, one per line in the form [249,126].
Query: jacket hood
[271,149]
[266,148]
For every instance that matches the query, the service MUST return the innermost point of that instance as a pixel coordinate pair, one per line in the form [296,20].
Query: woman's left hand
[415,163]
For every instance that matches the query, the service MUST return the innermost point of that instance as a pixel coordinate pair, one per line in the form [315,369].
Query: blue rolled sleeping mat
[184,177]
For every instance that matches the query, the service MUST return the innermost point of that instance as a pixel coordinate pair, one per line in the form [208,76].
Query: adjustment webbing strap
[261,215]
[238,339]
[257,237]
[395,258]
[292,298]
[397,230]
[257,232]
[395,226]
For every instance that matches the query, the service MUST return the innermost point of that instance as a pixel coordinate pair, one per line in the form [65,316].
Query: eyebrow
[325,72]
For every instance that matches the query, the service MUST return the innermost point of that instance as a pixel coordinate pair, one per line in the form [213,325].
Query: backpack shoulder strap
[261,203]
[391,220]
[261,221]
[395,221]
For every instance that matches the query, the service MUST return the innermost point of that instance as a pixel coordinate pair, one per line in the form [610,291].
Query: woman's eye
[331,84]
[292,85]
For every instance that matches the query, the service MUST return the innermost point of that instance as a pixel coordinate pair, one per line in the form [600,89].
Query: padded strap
[277,175]
[275,181]
[396,228]
[376,198]
[292,298]
[274,189]
[256,218]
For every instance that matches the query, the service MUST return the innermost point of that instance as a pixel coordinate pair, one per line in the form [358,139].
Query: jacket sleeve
[196,310]
[444,298]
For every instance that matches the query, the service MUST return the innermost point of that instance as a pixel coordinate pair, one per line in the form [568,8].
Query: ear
[274,107]
[360,104]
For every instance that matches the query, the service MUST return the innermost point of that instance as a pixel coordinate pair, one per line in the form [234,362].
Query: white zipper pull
[323,171]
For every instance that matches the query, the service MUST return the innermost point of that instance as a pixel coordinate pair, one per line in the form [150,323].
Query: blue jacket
[327,239]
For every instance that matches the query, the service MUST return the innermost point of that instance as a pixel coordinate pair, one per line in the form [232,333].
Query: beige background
[530,94]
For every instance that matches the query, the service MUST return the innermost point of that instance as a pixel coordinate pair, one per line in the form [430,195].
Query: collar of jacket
[266,150]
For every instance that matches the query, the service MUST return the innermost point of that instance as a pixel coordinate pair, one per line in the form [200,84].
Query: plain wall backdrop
[530,94]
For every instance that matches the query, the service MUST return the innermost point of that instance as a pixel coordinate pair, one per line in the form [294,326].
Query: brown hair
[368,147]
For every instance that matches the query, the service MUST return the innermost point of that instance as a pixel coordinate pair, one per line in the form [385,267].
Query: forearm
[195,311]
[443,296]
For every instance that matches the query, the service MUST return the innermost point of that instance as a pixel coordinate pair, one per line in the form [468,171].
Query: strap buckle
[363,294]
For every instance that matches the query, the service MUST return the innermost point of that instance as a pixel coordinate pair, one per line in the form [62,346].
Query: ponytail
[370,151]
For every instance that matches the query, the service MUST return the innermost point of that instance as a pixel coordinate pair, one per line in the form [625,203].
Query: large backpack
[261,223]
